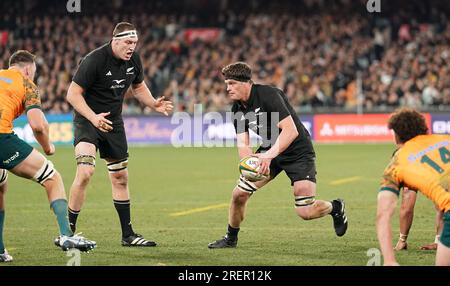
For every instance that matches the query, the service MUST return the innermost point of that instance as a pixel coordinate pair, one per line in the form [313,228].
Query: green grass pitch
[167,184]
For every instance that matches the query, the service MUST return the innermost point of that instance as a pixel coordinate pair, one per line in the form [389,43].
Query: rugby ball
[248,167]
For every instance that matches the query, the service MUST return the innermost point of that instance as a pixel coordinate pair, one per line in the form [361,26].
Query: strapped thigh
[117,166]
[3,177]
[304,201]
[85,160]
[45,172]
[246,186]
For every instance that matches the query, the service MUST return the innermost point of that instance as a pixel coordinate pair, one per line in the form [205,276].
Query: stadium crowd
[318,52]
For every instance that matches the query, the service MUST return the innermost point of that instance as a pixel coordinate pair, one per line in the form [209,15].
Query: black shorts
[296,168]
[112,145]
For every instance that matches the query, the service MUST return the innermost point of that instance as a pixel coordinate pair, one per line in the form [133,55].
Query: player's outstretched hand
[101,122]
[163,106]
[51,150]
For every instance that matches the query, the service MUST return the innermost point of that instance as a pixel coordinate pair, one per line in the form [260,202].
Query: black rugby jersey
[105,79]
[265,108]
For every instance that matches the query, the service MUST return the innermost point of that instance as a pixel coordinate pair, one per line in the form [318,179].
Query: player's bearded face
[125,48]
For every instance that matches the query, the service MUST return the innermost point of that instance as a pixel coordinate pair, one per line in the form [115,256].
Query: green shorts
[445,235]
[13,150]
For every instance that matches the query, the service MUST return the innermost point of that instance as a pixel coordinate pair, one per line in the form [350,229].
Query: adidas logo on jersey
[109,73]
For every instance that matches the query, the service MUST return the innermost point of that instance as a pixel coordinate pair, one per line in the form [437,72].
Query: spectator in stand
[306,48]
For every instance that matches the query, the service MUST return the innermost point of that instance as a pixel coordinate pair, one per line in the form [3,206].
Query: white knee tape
[3,176]
[45,172]
[246,186]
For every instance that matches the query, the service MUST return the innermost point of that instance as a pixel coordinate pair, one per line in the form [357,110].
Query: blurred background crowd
[325,55]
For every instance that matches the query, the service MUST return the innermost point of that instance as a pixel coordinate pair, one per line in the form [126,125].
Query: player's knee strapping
[304,201]
[3,176]
[118,166]
[85,160]
[45,172]
[246,186]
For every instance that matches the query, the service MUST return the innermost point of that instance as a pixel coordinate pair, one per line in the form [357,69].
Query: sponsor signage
[441,124]
[354,128]
[216,131]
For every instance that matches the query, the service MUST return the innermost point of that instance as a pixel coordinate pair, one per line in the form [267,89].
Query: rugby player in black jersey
[96,93]
[286,147]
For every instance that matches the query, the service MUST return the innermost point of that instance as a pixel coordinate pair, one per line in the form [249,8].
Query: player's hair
[21,57]
[239,71]
[122,27]
[407,123]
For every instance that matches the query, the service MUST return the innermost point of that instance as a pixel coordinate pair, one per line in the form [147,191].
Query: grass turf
[170,189]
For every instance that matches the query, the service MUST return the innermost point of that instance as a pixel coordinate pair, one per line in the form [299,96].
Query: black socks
[232,232]
[123,210]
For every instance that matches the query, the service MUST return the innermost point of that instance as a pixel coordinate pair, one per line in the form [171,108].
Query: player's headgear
[126,34]
[124,30]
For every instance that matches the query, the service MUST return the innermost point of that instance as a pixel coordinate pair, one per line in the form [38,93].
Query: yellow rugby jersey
[422,164]
[17,94]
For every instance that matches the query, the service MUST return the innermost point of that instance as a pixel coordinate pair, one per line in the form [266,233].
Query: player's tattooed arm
[32,97]
[36,118]
[390,180]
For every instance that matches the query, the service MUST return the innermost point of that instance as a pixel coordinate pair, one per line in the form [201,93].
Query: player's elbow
[38,124]
[137,88]
[37,121]
[73,93]
[70,97]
